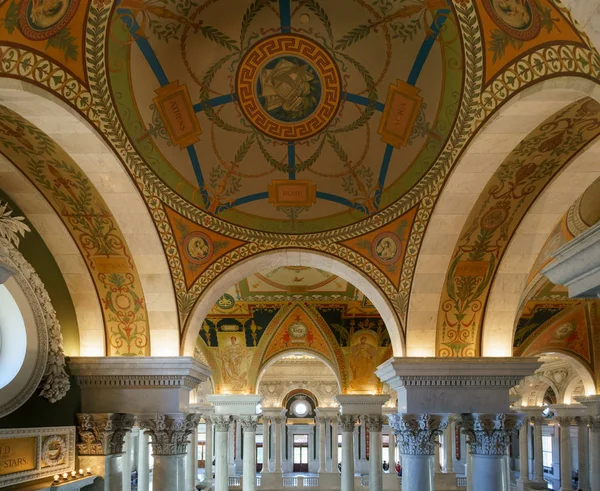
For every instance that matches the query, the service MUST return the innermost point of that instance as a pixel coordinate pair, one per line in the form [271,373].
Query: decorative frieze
[221,422]
[249,422]
[374,422]
[488,434]
[416,433]
[102,434]
[169,432]
[347,422]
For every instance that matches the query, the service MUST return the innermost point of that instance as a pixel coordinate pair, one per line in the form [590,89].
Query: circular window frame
[303,402]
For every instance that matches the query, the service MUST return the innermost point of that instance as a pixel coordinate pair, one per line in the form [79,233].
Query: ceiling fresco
[249,126]
[293,309]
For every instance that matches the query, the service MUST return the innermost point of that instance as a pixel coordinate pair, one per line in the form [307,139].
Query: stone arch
[102,167]
[293,257]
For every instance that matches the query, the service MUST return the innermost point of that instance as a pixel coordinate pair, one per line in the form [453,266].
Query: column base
[524,484]
[271,481]
[445,481]
[107,468]
[391,481]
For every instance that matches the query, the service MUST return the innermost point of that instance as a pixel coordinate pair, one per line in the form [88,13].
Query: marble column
[334,445]
[523,481]
[169,434]
[415,434]
[221,424]
[231,448]
[594,425]
[208,449]
[488,438]
[192,460]
[374,425]
[538,459]
[347,422]
[583,455]
[143,462]
[436,455]
[249,423]
[322,445]
[101,448]
[392,450]
[564,423]
[278,445]
[266,446]
[469,470]
[238,447]
[127,451]
[448,447]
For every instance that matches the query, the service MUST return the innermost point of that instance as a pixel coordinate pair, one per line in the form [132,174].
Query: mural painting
[234,361]
[363,361]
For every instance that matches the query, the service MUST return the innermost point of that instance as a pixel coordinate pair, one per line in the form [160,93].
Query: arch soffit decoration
[293,257]
[105,171]
[48,369]
[94,229]
[493,220]
[497,91]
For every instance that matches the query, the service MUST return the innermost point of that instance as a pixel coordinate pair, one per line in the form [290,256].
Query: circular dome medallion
[288,87]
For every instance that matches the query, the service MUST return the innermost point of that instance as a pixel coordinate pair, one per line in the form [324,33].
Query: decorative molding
[136,381]
[347,422]
[103,434]
[375,422]
[594,424]
[488,434]
[49,373]
[249,422]
[169,432]
[416,433]
[221,422]
[64,461]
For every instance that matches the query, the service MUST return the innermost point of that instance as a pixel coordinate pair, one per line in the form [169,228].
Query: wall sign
[17,455]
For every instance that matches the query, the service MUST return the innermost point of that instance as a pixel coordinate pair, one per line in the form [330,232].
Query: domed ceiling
[287,116]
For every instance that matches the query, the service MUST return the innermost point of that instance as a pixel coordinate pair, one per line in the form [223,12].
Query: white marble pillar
[238,443]
[266,446]
[192,461]
[392,450]
[594,425]
[523,481]
[415,435]
[278,444]
[208,468]
[334,445]
[436,455]
[143,461]
[538,460]
[322,445]
[488,437]
[583,455]
[448,447]
[347,422]
[169,433]
[126,464]
[248,424]
[374,425]
[564,423]
[231,448]
[469,470]
[221,424]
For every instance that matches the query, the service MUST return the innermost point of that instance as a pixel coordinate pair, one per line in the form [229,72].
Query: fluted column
[564,423]
[334,445]
[222,424]
[192,460]
[374,425]
[169,433]
[249,423]
[523,456]
[448,448]
[101,448]
[488,438]
[347,422]
[538,460]
[266,445]
[322,445]
[583,455]
[278,435]
[143,462]
[208,470]
[594,425]
[415,434]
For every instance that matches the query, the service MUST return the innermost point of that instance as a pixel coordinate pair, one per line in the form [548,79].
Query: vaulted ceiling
[429,147]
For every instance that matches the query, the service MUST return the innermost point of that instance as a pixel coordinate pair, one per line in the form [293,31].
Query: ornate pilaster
[374,422]
[169,432]
[102,434]
[347,422]
[488,434]
[416,433]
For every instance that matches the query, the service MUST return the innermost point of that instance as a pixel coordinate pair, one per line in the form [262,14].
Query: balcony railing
[461,482]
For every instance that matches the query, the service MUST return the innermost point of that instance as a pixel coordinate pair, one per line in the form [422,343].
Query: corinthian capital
[488,434]
[416,433]
[594,424]
[221,422]
[249,422]
[169,432]
[347,421]
[374,422]
[102,434]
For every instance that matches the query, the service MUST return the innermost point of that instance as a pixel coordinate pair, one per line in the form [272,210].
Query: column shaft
[248,423]
[192,460]
[208,468]
[392,450]
[436,456]
[583,448]
[266,446]
[375,461]
[538,460]
[448,447]
[347,421]
[524,452]
[565,453]
[595,454]
[278,431]
[334,446]
[169,472]
[143,462]
[126,462]
[221,461]
[322,446]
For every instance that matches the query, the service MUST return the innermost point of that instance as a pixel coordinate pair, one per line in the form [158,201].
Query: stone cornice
[235,404]
[361,404]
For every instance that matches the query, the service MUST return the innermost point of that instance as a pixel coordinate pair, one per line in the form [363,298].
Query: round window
[300,409]
[13,338]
